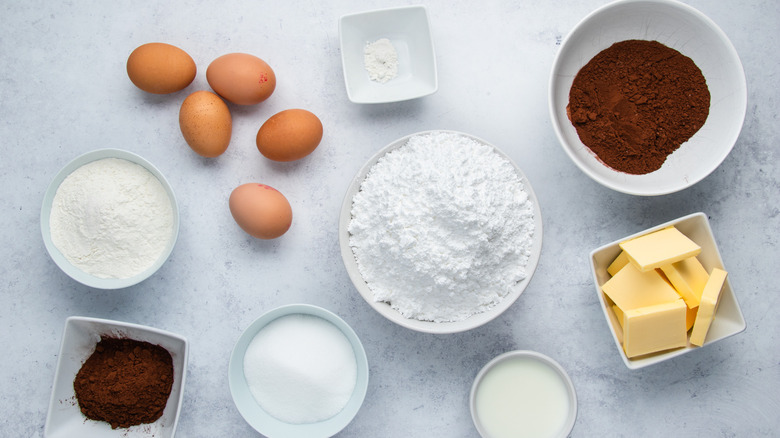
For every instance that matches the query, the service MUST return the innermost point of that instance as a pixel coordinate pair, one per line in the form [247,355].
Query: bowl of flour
[440,232]
[109,219]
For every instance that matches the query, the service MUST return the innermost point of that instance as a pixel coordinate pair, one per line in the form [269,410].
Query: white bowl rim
[729,47]
[550,362]
[259,419]
[385,309]
[57,256]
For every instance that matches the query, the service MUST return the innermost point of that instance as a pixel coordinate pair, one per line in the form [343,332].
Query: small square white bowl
[81,334]
[728,319]
[408,30]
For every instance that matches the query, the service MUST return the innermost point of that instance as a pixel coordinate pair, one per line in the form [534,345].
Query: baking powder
[111,218]
[441,227]
[381,60]
[300,369]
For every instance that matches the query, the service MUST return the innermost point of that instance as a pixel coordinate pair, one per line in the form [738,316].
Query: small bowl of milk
[522,394]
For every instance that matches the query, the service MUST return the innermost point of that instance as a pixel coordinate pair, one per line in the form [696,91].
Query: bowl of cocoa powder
[116,379]
[647,97]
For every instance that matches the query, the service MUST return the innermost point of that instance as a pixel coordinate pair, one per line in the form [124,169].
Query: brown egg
[289,135]
[241,78]
[206,124]
[260,210]
[160,68]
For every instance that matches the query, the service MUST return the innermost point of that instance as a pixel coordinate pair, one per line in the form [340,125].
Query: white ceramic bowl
[728,319]
[408,30]
[268,425]
[684,29]
[571,408]
[428,326]
[62,262]
[81,334]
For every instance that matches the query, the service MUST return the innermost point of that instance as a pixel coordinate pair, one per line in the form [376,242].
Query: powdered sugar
[111,218]
[381,60]
[441,227]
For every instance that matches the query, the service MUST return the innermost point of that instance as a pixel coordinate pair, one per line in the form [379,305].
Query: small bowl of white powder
[298,371]
[440,232]
[109,219]
[387,55]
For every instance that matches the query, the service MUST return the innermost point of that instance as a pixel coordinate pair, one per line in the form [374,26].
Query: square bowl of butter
[665,292]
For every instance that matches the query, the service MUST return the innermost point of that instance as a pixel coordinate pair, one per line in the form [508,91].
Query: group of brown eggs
[206,122]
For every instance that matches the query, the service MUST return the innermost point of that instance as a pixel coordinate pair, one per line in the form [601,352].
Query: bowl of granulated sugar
[298,371]
[440,232]
[109,219]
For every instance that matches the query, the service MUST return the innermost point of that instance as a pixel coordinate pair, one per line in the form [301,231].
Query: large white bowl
[686,30]
[728,320]
[384,308]
[81,334]
[408,30]
[62,262]
[264,422]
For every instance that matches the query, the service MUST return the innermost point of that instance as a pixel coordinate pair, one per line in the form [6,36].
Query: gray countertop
[64,91]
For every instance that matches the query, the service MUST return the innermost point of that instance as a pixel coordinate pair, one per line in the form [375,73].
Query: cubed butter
[708,306]
[618,314]
[688,276]
[630,288]
[655,328]
[659,248]
[690,317]
[617,264]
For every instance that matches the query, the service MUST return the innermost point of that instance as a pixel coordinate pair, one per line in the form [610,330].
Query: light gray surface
[64,91]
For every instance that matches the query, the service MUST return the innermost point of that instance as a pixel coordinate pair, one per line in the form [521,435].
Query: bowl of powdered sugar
[440,232]
[109,219]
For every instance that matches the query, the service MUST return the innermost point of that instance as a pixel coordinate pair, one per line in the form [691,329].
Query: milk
[522,397]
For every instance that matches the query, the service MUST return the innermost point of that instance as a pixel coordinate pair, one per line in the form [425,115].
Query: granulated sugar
[442,227]
[301,369]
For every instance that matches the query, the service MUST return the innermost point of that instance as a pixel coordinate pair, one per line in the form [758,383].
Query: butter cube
[709,304]
[659,248]
[690,317]
[688,276]
[654,328]
[630,288]
[618,314]
[617,264]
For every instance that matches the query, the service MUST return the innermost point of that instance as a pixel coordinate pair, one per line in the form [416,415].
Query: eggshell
[160,68]
[289,135]
[260,210]
[241,78]
[206,123]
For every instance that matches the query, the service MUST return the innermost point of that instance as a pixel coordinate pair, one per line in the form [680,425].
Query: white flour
[441,228]
[381,60]
[111,218]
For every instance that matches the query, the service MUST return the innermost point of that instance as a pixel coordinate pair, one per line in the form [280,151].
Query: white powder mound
[111,218]
[441,228]
[381,60]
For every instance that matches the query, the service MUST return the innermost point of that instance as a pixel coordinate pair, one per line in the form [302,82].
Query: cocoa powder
[124,382]
[636,102]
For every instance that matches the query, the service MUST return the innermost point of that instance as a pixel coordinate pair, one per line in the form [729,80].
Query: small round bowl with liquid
[522,394]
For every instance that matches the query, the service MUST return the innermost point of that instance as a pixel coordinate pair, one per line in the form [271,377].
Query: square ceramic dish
[81,334]
[728,319]
[408,30]
[264,422]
